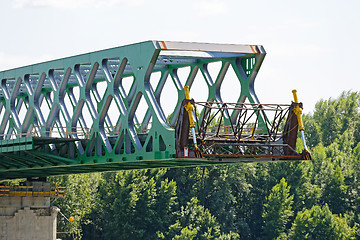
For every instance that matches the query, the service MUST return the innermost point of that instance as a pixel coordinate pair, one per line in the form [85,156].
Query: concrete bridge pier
[30,218]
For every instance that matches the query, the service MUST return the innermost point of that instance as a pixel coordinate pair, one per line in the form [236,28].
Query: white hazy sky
[311,45]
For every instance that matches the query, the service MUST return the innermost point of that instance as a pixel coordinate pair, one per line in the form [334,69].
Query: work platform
[117,109]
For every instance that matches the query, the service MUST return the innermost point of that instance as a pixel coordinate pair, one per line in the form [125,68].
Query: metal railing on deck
[70,132]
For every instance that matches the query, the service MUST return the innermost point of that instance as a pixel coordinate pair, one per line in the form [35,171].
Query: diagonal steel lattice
[104,110]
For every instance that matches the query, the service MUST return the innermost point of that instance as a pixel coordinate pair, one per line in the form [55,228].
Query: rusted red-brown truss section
[242,131]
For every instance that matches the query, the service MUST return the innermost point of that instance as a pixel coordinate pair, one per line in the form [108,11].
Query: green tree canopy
[320,223]
[277,210]
[136,204]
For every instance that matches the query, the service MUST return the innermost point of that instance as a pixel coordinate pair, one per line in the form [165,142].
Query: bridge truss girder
[78,114]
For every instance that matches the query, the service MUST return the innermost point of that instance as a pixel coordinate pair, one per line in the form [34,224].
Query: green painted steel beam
[105,110]
[132,165]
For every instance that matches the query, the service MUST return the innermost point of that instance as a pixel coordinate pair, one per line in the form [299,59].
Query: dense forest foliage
[316,199]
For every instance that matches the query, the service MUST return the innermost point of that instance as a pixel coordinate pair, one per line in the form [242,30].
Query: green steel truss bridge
[123,108]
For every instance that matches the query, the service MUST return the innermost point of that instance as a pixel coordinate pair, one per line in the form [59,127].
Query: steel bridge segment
[68,125]
[111,166]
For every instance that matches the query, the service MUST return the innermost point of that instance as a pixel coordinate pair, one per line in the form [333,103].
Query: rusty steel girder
[244,131]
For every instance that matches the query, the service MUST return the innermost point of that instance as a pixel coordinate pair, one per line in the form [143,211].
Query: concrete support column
[30,218]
